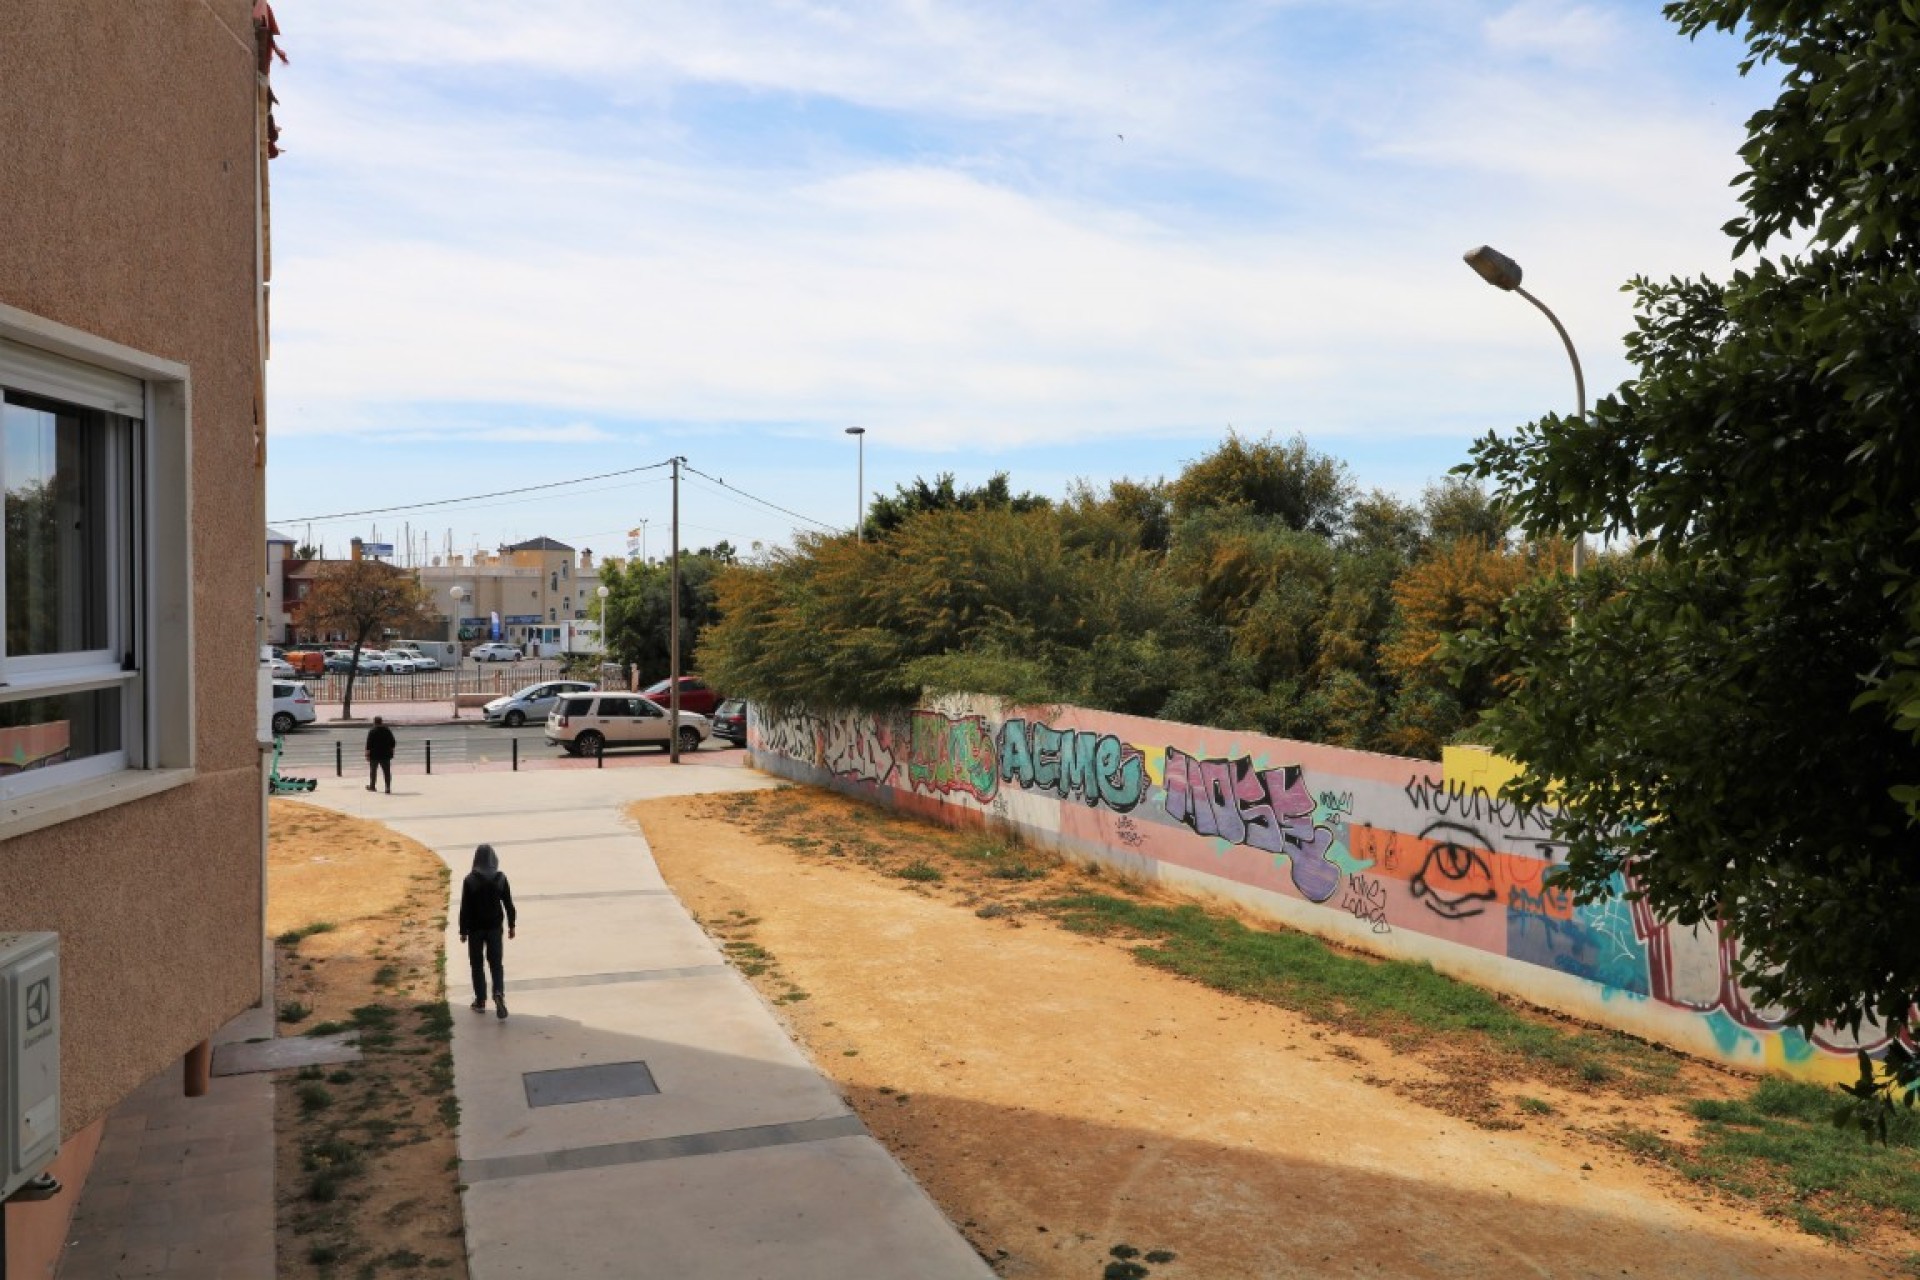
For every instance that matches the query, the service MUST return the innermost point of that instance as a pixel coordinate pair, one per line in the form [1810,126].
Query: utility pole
[673,627]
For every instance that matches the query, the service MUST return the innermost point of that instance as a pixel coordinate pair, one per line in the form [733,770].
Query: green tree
[887,514]
[637,616]
[363,598]
[1302,489]
[1733,724]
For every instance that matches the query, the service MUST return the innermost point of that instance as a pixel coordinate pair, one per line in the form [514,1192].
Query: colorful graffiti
[1074,764]
[953,753]
[1388,853]
[1269,809]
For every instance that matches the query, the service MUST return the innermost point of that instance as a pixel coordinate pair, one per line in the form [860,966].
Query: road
[312,749]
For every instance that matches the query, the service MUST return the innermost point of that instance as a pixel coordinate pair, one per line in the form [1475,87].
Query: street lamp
[459,593]
[1502,272]
[860,486]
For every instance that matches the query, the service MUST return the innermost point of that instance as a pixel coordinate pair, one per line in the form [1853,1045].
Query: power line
[501,493]
[762,501]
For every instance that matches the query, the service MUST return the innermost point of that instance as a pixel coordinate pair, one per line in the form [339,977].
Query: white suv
[495,652]
[587,723]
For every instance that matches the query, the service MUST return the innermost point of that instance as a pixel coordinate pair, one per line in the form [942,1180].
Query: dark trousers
[484,954]
[375,769]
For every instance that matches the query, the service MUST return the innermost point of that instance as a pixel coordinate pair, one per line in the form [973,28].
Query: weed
[328,1028]
[386,975]
[794,996]
[436,1020]
[294,937]
[293,1011]
[1017,871]
[313,1097]
[1815,1225]
[1535,1107]
[310,1073]
[1642,1142]
[323,1255]
[920,870]
[342,1076]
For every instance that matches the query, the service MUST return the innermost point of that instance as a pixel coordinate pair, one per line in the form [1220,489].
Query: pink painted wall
[1405,858]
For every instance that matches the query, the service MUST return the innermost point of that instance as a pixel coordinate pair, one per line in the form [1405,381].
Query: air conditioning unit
[29,1056]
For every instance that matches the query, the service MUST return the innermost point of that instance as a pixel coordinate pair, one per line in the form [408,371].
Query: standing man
[380,754]
[486,903]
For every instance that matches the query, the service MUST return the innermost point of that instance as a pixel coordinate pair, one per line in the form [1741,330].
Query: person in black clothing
[486,901]
[380,754]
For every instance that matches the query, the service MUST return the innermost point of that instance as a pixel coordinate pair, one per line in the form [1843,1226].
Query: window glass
[578,706]
[37,733]
[52,459]
[617,706]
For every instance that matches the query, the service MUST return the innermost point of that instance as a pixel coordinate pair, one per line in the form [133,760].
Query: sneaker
[369,786]
[499,1008]
[479,1006]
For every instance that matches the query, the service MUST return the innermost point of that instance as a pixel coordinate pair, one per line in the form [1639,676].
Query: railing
[430,686]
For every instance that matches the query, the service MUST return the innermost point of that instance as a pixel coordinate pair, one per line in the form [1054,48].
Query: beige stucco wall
[129,168]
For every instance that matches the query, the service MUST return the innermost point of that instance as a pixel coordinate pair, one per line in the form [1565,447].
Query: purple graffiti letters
[1268,809]
[953,754]
[1097,768]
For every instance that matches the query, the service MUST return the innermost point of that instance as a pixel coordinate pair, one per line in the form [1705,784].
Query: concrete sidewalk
[642,1112]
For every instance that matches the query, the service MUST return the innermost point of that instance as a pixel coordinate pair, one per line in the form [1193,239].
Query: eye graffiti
[1455,881]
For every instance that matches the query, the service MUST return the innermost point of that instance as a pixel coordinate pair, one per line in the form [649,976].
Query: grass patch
[314,1097]
[920,870]
[1535,1106]
[293,1011]
[1396,1001]
[294,937]
[1783,1134]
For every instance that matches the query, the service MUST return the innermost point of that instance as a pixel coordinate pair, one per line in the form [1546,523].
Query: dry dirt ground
[1076,1113]
[1079,1114]
[367,1175]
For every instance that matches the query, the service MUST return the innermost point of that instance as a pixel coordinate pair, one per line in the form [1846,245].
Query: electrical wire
[501,493]
[692,470]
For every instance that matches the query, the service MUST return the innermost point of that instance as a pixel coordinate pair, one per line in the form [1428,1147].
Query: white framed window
[95,621]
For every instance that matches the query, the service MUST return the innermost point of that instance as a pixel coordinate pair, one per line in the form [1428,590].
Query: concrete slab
[584,935]
[285,1051]
[837,1209]
[720,1059]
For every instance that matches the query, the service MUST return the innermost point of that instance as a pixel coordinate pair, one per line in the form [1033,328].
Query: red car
[696,695]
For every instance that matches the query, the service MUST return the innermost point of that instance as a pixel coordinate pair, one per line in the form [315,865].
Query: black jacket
[485,900]
[379,743]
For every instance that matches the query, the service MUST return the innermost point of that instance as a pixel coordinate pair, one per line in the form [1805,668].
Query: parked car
[339,660]
[730,721]
[280,667]
[532,702]
[696,695]
[587,724]
[423,661]
[400,664]
[292,706]
[496,652]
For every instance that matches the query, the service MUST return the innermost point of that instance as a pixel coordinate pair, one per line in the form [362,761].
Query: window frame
[149,627]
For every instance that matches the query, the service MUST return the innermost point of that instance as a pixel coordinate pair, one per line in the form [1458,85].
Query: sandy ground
[1082,1115]
[367,1180]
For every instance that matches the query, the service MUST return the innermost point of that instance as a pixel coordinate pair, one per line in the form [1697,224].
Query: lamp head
[1496,268]
[856,431]
[602,591]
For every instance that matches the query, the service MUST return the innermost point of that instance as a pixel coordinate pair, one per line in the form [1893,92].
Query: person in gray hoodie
[486,903]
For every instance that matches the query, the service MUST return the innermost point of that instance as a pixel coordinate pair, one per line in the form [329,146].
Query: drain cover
[588,1084]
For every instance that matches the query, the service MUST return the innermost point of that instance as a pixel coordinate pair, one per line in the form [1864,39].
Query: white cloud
[1576,34]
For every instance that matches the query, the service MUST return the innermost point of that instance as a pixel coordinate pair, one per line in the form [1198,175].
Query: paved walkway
[642,1112]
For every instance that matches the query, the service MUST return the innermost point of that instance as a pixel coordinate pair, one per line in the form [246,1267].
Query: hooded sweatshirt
[485,897]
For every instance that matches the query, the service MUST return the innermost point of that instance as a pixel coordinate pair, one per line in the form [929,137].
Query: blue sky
[518,244]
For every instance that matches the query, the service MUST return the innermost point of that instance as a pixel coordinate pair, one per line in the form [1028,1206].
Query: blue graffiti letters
[1096,768]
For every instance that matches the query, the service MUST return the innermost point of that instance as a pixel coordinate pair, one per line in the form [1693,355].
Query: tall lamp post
[606,632]
[860,485]
[1502,272]
[459,594]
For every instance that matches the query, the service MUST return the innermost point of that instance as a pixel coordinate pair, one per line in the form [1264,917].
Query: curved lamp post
[860,485]
[1502,272]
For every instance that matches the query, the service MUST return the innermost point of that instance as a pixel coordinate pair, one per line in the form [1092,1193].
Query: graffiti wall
[1402,857]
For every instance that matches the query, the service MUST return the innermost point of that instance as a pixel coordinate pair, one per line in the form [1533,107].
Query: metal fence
[431,686]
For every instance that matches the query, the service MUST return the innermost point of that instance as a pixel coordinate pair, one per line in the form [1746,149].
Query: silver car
[587,724]
[532,702]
